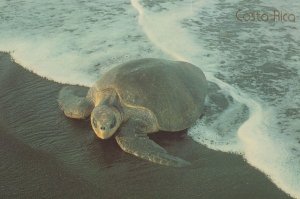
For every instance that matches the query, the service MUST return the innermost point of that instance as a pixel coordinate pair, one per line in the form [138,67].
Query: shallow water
[255,64]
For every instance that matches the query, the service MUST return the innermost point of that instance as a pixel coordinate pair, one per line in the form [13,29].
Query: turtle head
[105,120]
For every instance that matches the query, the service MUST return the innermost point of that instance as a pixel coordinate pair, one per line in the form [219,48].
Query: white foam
[171,44]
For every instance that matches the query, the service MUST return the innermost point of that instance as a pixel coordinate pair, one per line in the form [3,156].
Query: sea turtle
[140,97]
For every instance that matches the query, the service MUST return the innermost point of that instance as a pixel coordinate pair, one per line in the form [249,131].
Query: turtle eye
[94,123]
[111,126]
[113,123]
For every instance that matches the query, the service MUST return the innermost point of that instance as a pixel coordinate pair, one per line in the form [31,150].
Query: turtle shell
[174,91]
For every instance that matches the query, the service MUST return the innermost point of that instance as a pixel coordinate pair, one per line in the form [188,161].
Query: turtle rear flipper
[74,105]
[141,146]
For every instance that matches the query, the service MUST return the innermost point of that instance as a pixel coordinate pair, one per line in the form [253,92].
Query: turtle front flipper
[74,105]
[141,146]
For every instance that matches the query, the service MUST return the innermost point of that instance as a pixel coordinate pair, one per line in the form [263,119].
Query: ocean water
[253,108]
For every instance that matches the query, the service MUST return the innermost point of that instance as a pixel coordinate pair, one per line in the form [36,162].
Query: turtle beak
[105,134]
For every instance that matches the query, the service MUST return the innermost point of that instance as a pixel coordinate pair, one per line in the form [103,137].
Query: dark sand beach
[46,155]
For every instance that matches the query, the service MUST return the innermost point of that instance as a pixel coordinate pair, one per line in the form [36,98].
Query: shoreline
[48,146]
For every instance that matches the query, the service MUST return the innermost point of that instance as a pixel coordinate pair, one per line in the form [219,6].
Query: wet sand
[46,155]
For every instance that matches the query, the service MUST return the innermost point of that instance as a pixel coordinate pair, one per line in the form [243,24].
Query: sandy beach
[46,155]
